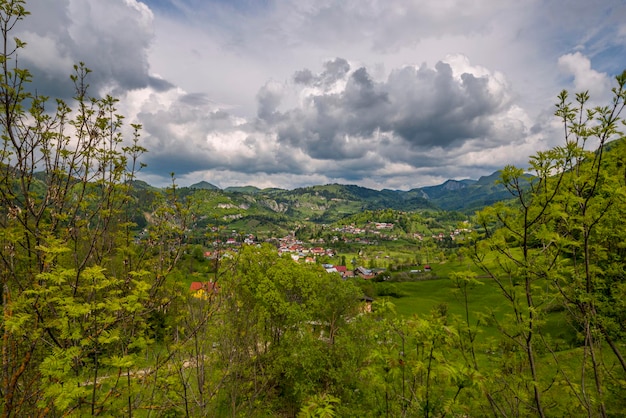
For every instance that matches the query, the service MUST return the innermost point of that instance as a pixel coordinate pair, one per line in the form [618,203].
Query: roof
[195,286]
[206,286]
[363,271]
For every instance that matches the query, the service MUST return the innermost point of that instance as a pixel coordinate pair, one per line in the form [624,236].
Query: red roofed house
[202,290]
[341,270]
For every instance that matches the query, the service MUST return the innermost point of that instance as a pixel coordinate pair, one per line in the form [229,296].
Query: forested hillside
[276,211]
[116,302]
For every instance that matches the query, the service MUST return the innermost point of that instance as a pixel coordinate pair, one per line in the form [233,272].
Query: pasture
[485,305]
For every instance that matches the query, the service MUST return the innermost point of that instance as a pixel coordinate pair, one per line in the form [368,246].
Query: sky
[385,94]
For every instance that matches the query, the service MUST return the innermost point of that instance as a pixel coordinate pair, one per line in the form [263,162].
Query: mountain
[332,201]
[243,189]
[277,211]
[204,185]
[142,185]
[466,195]
[445,189]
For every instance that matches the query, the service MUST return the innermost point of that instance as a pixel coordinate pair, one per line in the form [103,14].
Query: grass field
[421,297]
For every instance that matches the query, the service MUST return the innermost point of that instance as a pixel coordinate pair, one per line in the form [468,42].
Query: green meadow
[485,304]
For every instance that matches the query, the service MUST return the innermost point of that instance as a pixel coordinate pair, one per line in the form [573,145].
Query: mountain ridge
[445,196]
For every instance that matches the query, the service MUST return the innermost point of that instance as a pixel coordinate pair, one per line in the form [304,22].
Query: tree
[78,292]
[552,243]
[282,333]
[592,196]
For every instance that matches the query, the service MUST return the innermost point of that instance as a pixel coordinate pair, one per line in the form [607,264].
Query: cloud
[269,98]
[347,126]
[377,93]
[383,26]
[346,113]
[585,77]
[110,37]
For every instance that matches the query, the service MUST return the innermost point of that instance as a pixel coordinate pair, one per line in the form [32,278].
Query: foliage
[553,245]
[320,406]
[98,317]
[78,294]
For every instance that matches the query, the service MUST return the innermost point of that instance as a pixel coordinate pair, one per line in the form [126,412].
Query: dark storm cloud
[192,134]
[334,70]
[361,92]
[180,162]
[159,85]
[268,100]
[424,107]
[304,77]
[110,37]
[329,123]
[432,108]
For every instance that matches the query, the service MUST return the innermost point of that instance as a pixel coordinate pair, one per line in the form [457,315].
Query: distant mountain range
[330,200]
[467,195]
[249,208]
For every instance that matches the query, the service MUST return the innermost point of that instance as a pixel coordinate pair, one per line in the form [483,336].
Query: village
[314,252]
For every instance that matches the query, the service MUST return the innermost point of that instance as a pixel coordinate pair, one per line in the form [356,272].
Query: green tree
[78,293]
[283,333]
[415,367]
[592,197]
[552,242]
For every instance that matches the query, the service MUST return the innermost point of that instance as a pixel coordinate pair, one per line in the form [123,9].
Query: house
[364,273]
[341,270]
[427,267]
[384,225]
[203,290]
